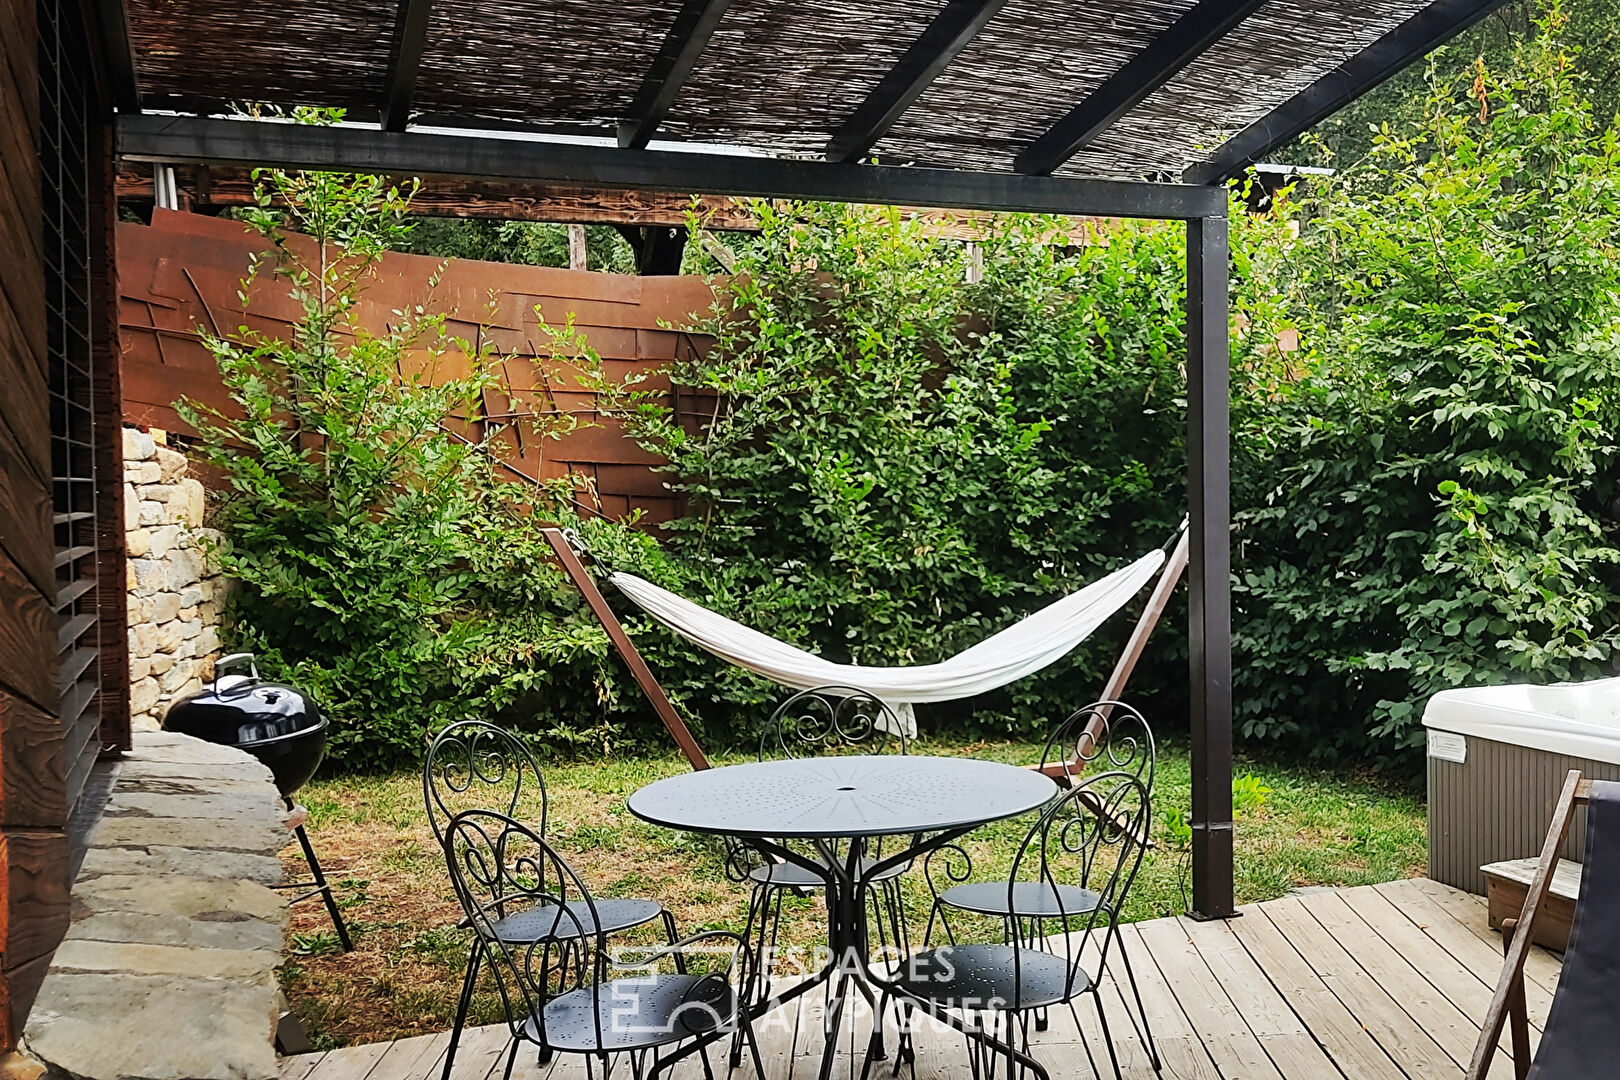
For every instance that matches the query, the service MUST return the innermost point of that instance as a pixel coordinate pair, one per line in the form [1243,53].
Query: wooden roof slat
[1128,87]
[685,44]
[947,35]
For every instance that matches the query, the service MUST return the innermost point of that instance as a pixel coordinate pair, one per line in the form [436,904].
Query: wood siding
[33,891]
[184,270]
[61,549]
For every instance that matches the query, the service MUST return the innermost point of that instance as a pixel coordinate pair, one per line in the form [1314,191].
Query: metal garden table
[838,807]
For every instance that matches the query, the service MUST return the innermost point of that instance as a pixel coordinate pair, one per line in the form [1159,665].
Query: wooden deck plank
[298,1066]
[1384,982]
[1345,1039]
[482,1051]
[413,1059]
[1219,1023]
[1415,994]
[1468,910]
[350,1062]
[1412,990]
[1180,1047]
[1074,1043]
[1284,1036]
[1463,967]
[1405,1041]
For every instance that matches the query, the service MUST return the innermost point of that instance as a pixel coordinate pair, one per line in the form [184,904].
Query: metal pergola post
[1209,571]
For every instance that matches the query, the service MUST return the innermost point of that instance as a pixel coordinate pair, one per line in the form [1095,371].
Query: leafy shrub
[901,462]
[384,563]
[1433,503]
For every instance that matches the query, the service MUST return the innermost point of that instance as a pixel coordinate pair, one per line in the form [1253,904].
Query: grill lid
[244,710]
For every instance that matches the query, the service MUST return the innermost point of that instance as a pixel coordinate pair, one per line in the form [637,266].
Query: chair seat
[634,1013]
[548,922]
[786,875]
[1029,899]
[983,977]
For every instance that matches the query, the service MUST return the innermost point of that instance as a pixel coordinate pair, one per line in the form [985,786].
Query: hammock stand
[569,558]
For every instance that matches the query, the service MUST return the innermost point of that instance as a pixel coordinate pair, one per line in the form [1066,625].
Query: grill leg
[325,889]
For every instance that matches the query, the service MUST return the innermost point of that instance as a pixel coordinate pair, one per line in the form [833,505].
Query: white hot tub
[1497,757]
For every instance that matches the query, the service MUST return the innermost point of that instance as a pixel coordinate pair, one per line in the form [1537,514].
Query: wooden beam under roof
[218,187]
[1186,40]
[687,39]
[904,83]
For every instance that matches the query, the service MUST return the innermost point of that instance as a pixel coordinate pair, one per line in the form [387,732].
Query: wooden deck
[1382,981]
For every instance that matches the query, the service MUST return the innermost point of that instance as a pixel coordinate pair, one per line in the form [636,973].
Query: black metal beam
[686,40]
[198,140]
[405,61]
[946,36]
[1427,30]
[1209,573]
[119,53]
[1167,54]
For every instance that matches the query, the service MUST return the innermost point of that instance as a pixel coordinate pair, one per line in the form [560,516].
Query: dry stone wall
[176,593]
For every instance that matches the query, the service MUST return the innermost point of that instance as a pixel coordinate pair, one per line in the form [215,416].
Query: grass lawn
[1297,827]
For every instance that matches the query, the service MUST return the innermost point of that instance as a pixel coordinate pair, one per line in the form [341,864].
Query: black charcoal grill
[282,727]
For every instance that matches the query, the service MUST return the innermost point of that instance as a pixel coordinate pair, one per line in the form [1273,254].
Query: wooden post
[1510,986]
[626,648]
[578,257]
[1169,578]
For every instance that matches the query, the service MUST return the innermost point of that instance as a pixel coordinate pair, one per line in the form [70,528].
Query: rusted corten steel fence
[183,272]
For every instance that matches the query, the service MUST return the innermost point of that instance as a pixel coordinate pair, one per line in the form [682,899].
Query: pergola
[1120,109]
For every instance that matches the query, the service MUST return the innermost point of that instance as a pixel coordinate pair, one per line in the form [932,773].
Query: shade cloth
[1025,647]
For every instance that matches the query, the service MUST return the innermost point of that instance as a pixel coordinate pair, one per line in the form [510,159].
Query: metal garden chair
[567,991]
[1086,845]
[1106,735]
[473,765]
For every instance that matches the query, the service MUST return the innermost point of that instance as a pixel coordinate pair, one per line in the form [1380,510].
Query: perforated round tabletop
[828,797]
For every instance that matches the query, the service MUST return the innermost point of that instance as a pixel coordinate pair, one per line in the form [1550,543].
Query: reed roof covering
[782,76]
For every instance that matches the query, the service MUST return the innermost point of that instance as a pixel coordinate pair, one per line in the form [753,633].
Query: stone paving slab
[167,971]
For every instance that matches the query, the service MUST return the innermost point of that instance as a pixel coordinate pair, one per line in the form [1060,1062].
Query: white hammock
[1025,647]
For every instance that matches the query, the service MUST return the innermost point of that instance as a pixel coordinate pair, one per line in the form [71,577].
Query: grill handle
[233,660]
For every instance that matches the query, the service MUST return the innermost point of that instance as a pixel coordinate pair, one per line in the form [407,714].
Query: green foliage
[1433,503]
[529,242]
[901,461]
[384,561]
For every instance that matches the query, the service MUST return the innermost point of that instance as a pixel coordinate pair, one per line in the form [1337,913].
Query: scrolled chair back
[474,765]
[500,866]
[830,720]
[1091,837]
[1104,735]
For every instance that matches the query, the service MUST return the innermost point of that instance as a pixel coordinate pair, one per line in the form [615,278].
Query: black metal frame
[1185,41]
[947,35]
[1427,30]
[683,46]
[1109,736]
[405,61]
[355,149]
[471,757]
[499,868]
[1105,814]
[812,723]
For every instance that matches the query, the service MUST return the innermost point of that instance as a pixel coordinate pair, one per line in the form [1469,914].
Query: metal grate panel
[65,110]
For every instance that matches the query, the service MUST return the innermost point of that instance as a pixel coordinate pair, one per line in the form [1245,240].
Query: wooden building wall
[61,572]
[184,270]
[32,790]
